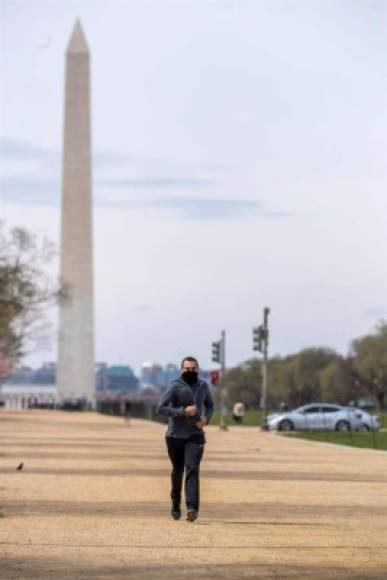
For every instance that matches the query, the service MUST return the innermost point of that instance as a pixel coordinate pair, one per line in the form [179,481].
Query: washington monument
[76,318]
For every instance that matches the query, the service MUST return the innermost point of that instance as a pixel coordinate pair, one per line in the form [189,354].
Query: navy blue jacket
[180,395]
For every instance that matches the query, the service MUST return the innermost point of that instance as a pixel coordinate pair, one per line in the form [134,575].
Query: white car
[369,422]
[317,417]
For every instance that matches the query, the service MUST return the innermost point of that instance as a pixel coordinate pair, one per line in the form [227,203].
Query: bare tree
[26,291]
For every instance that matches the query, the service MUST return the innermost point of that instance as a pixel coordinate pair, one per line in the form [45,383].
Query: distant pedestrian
[238,412]
[127,412]
[188,404]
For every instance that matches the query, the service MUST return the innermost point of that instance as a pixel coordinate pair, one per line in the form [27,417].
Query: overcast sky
[239,162]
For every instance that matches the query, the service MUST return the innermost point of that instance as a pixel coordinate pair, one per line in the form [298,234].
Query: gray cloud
[21,150]
[375,312]
[45,191]
[222,3]
[30,190]
[213,208]
[202,208]
[102,159]
[207,208]
[142,308]
[34,190]
[158,183]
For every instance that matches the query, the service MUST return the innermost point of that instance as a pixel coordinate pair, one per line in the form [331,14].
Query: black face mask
[190,377]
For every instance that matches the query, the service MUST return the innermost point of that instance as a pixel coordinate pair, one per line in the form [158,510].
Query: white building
[25,396]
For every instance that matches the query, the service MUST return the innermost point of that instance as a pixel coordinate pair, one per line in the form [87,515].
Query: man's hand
[191,410]
[201,424]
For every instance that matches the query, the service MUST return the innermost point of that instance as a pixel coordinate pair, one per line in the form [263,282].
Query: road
[92,502]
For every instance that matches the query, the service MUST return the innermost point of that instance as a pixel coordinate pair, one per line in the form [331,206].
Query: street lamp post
[219,356]
[223,425]
[261,343]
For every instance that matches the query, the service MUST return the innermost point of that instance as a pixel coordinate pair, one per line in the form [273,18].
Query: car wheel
[343,426]
[364,427]
[286,425]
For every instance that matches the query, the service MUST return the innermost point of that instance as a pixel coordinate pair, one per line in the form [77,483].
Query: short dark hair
[189,359]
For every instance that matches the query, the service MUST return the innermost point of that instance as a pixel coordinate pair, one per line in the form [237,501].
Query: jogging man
[188,404]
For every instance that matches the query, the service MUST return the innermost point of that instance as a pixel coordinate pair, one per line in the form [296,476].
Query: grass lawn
[251,419]
[376,440]
[383,419]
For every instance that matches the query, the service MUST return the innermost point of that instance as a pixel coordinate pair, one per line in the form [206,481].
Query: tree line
[316,374]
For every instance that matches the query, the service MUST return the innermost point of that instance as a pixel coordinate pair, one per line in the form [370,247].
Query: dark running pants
[186,453]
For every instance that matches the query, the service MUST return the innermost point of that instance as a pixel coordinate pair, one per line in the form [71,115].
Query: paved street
[92,502]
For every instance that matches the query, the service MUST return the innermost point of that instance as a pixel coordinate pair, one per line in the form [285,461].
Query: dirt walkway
[92,502]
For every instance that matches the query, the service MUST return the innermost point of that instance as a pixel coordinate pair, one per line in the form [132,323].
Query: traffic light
[257,338]
[216,354]
[260,336]
[214,378]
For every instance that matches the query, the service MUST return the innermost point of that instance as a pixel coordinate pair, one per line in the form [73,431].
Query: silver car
[317,417]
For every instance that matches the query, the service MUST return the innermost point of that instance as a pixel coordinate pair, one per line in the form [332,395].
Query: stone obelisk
[75,377]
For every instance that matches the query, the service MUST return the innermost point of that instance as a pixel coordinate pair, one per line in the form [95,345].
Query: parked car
[317,417]
[369,421]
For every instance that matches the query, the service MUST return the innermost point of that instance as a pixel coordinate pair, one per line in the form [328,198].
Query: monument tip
[77,42]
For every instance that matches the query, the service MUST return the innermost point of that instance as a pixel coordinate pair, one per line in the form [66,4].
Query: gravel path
[92,502]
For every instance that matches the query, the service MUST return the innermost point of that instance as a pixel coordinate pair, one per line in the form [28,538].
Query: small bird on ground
[20,467]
